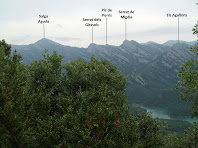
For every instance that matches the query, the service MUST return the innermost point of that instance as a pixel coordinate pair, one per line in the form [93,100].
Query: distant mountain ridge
[170,43]
[151,68]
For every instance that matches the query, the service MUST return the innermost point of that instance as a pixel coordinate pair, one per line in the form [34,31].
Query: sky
[19,21]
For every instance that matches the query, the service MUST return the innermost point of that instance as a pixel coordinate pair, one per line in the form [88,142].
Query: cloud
[20,39]
[17,41]
[59,26]
[67,39]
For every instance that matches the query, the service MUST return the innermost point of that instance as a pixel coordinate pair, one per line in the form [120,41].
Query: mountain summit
[46,43]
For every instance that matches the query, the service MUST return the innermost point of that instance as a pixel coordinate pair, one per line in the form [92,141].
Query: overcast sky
[19,21]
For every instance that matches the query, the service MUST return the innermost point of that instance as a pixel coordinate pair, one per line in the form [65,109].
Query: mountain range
[151,68]
[170,43]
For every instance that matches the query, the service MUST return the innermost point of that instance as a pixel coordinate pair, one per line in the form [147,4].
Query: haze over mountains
[151,68]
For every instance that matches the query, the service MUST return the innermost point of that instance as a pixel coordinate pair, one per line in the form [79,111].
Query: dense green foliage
[189,140]
[79,104]
[175,126]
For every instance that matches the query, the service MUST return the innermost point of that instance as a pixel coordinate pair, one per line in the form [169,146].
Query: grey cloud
[66,39]
[59,26]
[20,39]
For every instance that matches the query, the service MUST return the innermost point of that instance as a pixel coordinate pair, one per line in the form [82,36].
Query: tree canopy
[78,104]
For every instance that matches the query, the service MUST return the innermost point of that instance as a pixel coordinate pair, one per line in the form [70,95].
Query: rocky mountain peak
[45,41]
[92,45]
[180,45]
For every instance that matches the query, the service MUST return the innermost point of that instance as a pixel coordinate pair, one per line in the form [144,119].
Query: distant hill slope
[151,68]
[170,43]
